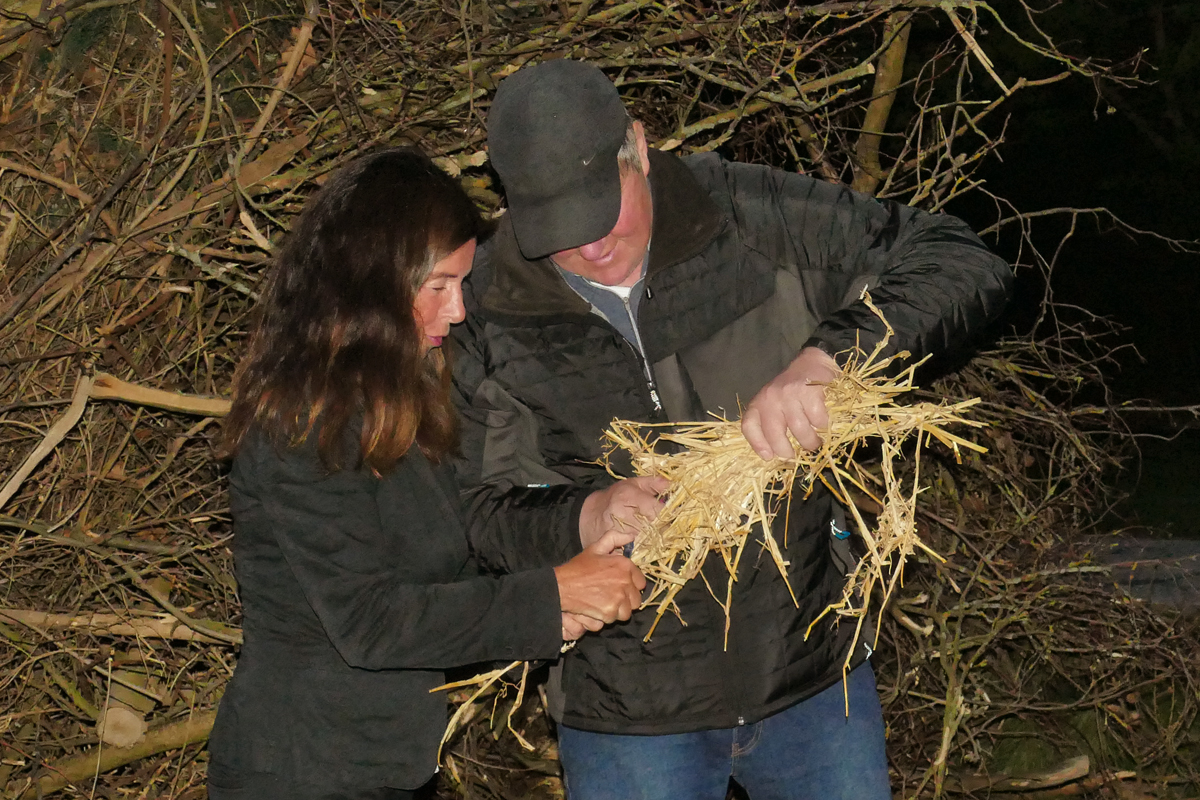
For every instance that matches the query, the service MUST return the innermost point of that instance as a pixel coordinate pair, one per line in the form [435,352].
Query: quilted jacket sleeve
[934,280]
[520,514]
[378,566]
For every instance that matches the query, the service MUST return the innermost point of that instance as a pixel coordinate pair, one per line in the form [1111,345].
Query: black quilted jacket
[747,266]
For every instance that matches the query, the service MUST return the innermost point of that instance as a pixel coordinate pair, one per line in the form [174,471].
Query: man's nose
[595,250]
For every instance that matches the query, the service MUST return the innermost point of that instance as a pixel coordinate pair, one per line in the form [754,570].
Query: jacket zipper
[641,352]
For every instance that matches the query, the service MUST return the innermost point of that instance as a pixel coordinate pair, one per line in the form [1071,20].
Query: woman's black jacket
[357,591]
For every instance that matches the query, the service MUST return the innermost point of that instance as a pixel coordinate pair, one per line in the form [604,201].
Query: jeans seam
[739,750]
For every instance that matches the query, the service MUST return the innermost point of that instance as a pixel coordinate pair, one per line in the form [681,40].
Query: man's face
[616,259]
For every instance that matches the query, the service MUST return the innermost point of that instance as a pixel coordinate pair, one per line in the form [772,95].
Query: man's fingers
[636,500]
[627,504]
[775,428]
[653,484]
[613,541]
[800,423]
[817,412]
[752,430]
[630,603]
[766,431]
[794,401]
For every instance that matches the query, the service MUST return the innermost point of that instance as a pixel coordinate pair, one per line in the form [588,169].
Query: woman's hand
[599,585]
[575,626]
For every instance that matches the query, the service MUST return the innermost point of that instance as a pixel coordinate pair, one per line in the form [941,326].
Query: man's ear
[639,131]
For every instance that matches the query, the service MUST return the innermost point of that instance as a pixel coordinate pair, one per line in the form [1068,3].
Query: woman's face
[439,302]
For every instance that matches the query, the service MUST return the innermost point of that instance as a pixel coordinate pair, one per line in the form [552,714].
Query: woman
[353,567]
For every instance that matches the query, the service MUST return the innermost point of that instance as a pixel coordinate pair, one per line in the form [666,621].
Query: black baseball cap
[554,131]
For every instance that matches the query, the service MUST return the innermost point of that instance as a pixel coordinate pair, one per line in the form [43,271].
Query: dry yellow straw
[721,490]
[465,711]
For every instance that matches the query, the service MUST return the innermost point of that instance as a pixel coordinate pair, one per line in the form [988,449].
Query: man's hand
[600,583]
[795,401]
[624,506]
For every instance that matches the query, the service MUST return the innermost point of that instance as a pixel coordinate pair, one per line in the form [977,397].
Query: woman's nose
[455,310]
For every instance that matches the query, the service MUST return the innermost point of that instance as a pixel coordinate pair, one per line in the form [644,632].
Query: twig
[86,233]
[887,78]
[796,95]
[58,431]
[1069,771]
[285,79]
[109,387]
[152,626]
[69,189]
[195,728]
[168,64]
[974,46]
[483,683]
[212,631]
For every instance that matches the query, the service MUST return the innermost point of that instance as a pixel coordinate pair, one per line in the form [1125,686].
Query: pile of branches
[153,154]
[1016,665]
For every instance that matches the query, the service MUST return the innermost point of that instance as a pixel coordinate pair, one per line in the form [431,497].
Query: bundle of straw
[722,491]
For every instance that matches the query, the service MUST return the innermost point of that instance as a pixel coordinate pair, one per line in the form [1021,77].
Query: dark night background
[1134,151]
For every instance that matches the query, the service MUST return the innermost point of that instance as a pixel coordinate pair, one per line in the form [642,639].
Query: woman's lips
[435,341]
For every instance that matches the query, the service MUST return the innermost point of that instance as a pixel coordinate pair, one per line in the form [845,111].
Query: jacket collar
[685,221]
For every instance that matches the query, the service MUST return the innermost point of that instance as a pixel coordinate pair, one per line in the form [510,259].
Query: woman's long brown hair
[335,339]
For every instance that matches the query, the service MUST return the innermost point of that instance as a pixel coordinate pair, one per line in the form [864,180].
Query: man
[623,282]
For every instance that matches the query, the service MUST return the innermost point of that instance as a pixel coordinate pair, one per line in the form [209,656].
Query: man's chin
[617,272]
[623,275]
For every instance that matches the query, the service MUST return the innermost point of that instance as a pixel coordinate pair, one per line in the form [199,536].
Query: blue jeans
[810,751]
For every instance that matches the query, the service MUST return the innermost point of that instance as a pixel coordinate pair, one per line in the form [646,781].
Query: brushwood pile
[152,157]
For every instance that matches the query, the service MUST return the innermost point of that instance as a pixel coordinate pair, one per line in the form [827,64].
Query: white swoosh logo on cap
[587,161]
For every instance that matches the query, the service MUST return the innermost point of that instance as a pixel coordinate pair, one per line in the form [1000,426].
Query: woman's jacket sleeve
[383,565]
